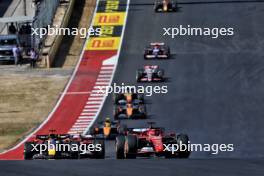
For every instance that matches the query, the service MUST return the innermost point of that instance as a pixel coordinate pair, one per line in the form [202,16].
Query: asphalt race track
[131,167]
[215,85]
[215,92]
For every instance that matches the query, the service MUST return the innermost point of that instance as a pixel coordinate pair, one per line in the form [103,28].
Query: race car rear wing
[57,136]
[90,137]
[157,43]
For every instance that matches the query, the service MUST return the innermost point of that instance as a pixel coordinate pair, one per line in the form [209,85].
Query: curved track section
[215,85]
[82,99]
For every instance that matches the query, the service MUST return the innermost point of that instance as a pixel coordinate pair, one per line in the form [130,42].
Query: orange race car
[128,97]
[108,129]
[135,109]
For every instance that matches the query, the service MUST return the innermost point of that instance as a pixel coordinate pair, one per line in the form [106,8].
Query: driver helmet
[107,120]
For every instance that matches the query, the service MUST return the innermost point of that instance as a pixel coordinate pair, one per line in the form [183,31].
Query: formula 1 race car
[131,110]
[128,97]
[166,6]
[150,73]
[157,51]
[109,129]
[150,141]
[64,146]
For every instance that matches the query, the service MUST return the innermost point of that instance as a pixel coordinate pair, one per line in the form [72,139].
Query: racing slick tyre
[28,153]
[122,129]
[116,113]
[139,75]
[131,147]
[175,6]
[75,154]
[143,111]
[118,97]
[160,74]
[141,98]
[183,139]
[120,147]
[168,52]
[92,131]
[99,154]
[158,6]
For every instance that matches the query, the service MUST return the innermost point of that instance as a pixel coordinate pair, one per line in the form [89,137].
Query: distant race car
[166,6]
[150,73]
[109,129]
[133,110]
[32,149]
[157,51]
[150,141]
[128,97]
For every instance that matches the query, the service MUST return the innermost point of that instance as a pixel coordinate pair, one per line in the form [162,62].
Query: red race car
[150,141]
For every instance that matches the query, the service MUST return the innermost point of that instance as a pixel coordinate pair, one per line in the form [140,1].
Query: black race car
[157,51]
[166,6]
[150,73]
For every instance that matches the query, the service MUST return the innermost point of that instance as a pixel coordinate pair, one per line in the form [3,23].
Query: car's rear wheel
[131,147]
[75,154]
[143,111]
[28,153]
[158,7]
[183,139]
[139,75]
[120,147]
[118,97]
[116,113]
[141,98]
[160,73]
[122,129]
[99,154]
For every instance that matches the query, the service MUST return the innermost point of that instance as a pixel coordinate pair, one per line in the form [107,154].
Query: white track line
[107,68]
[105,76]
[88,114]
[103,79]
[97,95]
[91,106]
[105,72]
[76,93]
[84,120]
[86,117]
[90,110]
[93,102]
[96,98]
